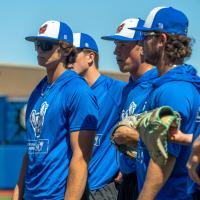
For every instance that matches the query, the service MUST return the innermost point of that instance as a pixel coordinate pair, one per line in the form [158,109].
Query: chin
[41,64]
[126,68]
[123,70]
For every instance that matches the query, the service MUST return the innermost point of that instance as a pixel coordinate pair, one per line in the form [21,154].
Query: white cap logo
[160,25]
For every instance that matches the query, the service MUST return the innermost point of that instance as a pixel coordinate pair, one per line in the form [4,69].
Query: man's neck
[54,72]
[143,68]
[91,75]
[164,66]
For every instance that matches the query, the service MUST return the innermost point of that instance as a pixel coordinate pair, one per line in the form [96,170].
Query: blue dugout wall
[12,139]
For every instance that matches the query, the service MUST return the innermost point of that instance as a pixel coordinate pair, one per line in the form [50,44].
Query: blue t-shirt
[134,98]
[54,112]
[178,88]
[103,165]
[192,186]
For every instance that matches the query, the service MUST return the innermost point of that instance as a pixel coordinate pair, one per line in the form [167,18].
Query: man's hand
[119,178]
[127,136]
[18,192]
[194,161]
[179,137]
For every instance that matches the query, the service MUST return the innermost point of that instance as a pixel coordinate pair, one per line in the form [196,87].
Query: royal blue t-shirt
[178,88]
[103,165]
[134,98]
[192,186]
[53,112]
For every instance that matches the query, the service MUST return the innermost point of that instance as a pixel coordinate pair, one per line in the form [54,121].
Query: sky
[22,18]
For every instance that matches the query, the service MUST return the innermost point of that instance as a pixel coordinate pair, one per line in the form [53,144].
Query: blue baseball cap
[53,31]
[84,41]
[124,33]
[165,19]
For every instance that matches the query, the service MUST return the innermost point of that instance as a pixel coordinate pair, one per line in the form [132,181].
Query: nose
[39,51]
[116,51]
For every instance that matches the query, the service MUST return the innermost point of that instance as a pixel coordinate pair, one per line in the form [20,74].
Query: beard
[153,57]
[153,60]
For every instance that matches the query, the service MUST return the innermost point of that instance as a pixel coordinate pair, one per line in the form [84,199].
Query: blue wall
[12,140]
[11,157]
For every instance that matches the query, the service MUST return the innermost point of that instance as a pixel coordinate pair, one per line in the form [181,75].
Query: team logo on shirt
[37,119]
[38,145]
[198,115]
[130,111]
[97,140]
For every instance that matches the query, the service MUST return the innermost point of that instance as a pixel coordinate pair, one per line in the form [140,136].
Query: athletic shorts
[128,189]
[108,192]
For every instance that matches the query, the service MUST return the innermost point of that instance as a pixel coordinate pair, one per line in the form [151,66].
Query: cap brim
[143,29]
[39,38]
[118,38]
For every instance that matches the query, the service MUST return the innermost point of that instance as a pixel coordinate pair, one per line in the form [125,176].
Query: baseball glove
[128,150]
[153,127]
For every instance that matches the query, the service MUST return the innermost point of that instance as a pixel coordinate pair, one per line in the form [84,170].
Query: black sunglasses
[149,34]
[45,45]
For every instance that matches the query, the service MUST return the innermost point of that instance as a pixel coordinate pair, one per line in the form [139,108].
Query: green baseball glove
[153,127]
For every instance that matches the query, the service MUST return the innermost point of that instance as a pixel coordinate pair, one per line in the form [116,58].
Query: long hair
[70,53]
[178,48]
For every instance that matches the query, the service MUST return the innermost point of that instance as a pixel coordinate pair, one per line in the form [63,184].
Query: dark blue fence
[12,139]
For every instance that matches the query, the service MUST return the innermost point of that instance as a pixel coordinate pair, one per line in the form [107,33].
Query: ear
[141,50]
[91,57]
[162,39]
[59,50]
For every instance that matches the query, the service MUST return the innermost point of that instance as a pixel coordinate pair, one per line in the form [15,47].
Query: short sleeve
[177,97]
[83,109]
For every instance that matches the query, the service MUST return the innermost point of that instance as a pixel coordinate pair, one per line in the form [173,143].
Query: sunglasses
[44,45]
[149,34]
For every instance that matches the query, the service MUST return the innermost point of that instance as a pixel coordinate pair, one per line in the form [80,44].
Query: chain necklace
[46,88]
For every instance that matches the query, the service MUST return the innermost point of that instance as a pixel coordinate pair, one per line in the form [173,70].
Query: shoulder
[115,89]
[176,88]
[76,84]
[113,83]
[176,94]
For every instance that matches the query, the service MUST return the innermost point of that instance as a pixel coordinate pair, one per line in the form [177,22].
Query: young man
[103,165]
[61,120]
[166,45]
[129,55]
[193,164]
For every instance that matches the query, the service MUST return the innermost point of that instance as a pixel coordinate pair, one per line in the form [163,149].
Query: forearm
[127,136]
[186,139]
[156,178]
[181,138]
[76,180]
[19,188]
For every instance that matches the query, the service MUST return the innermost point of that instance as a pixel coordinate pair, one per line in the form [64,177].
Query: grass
[6,194]
[5,198]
